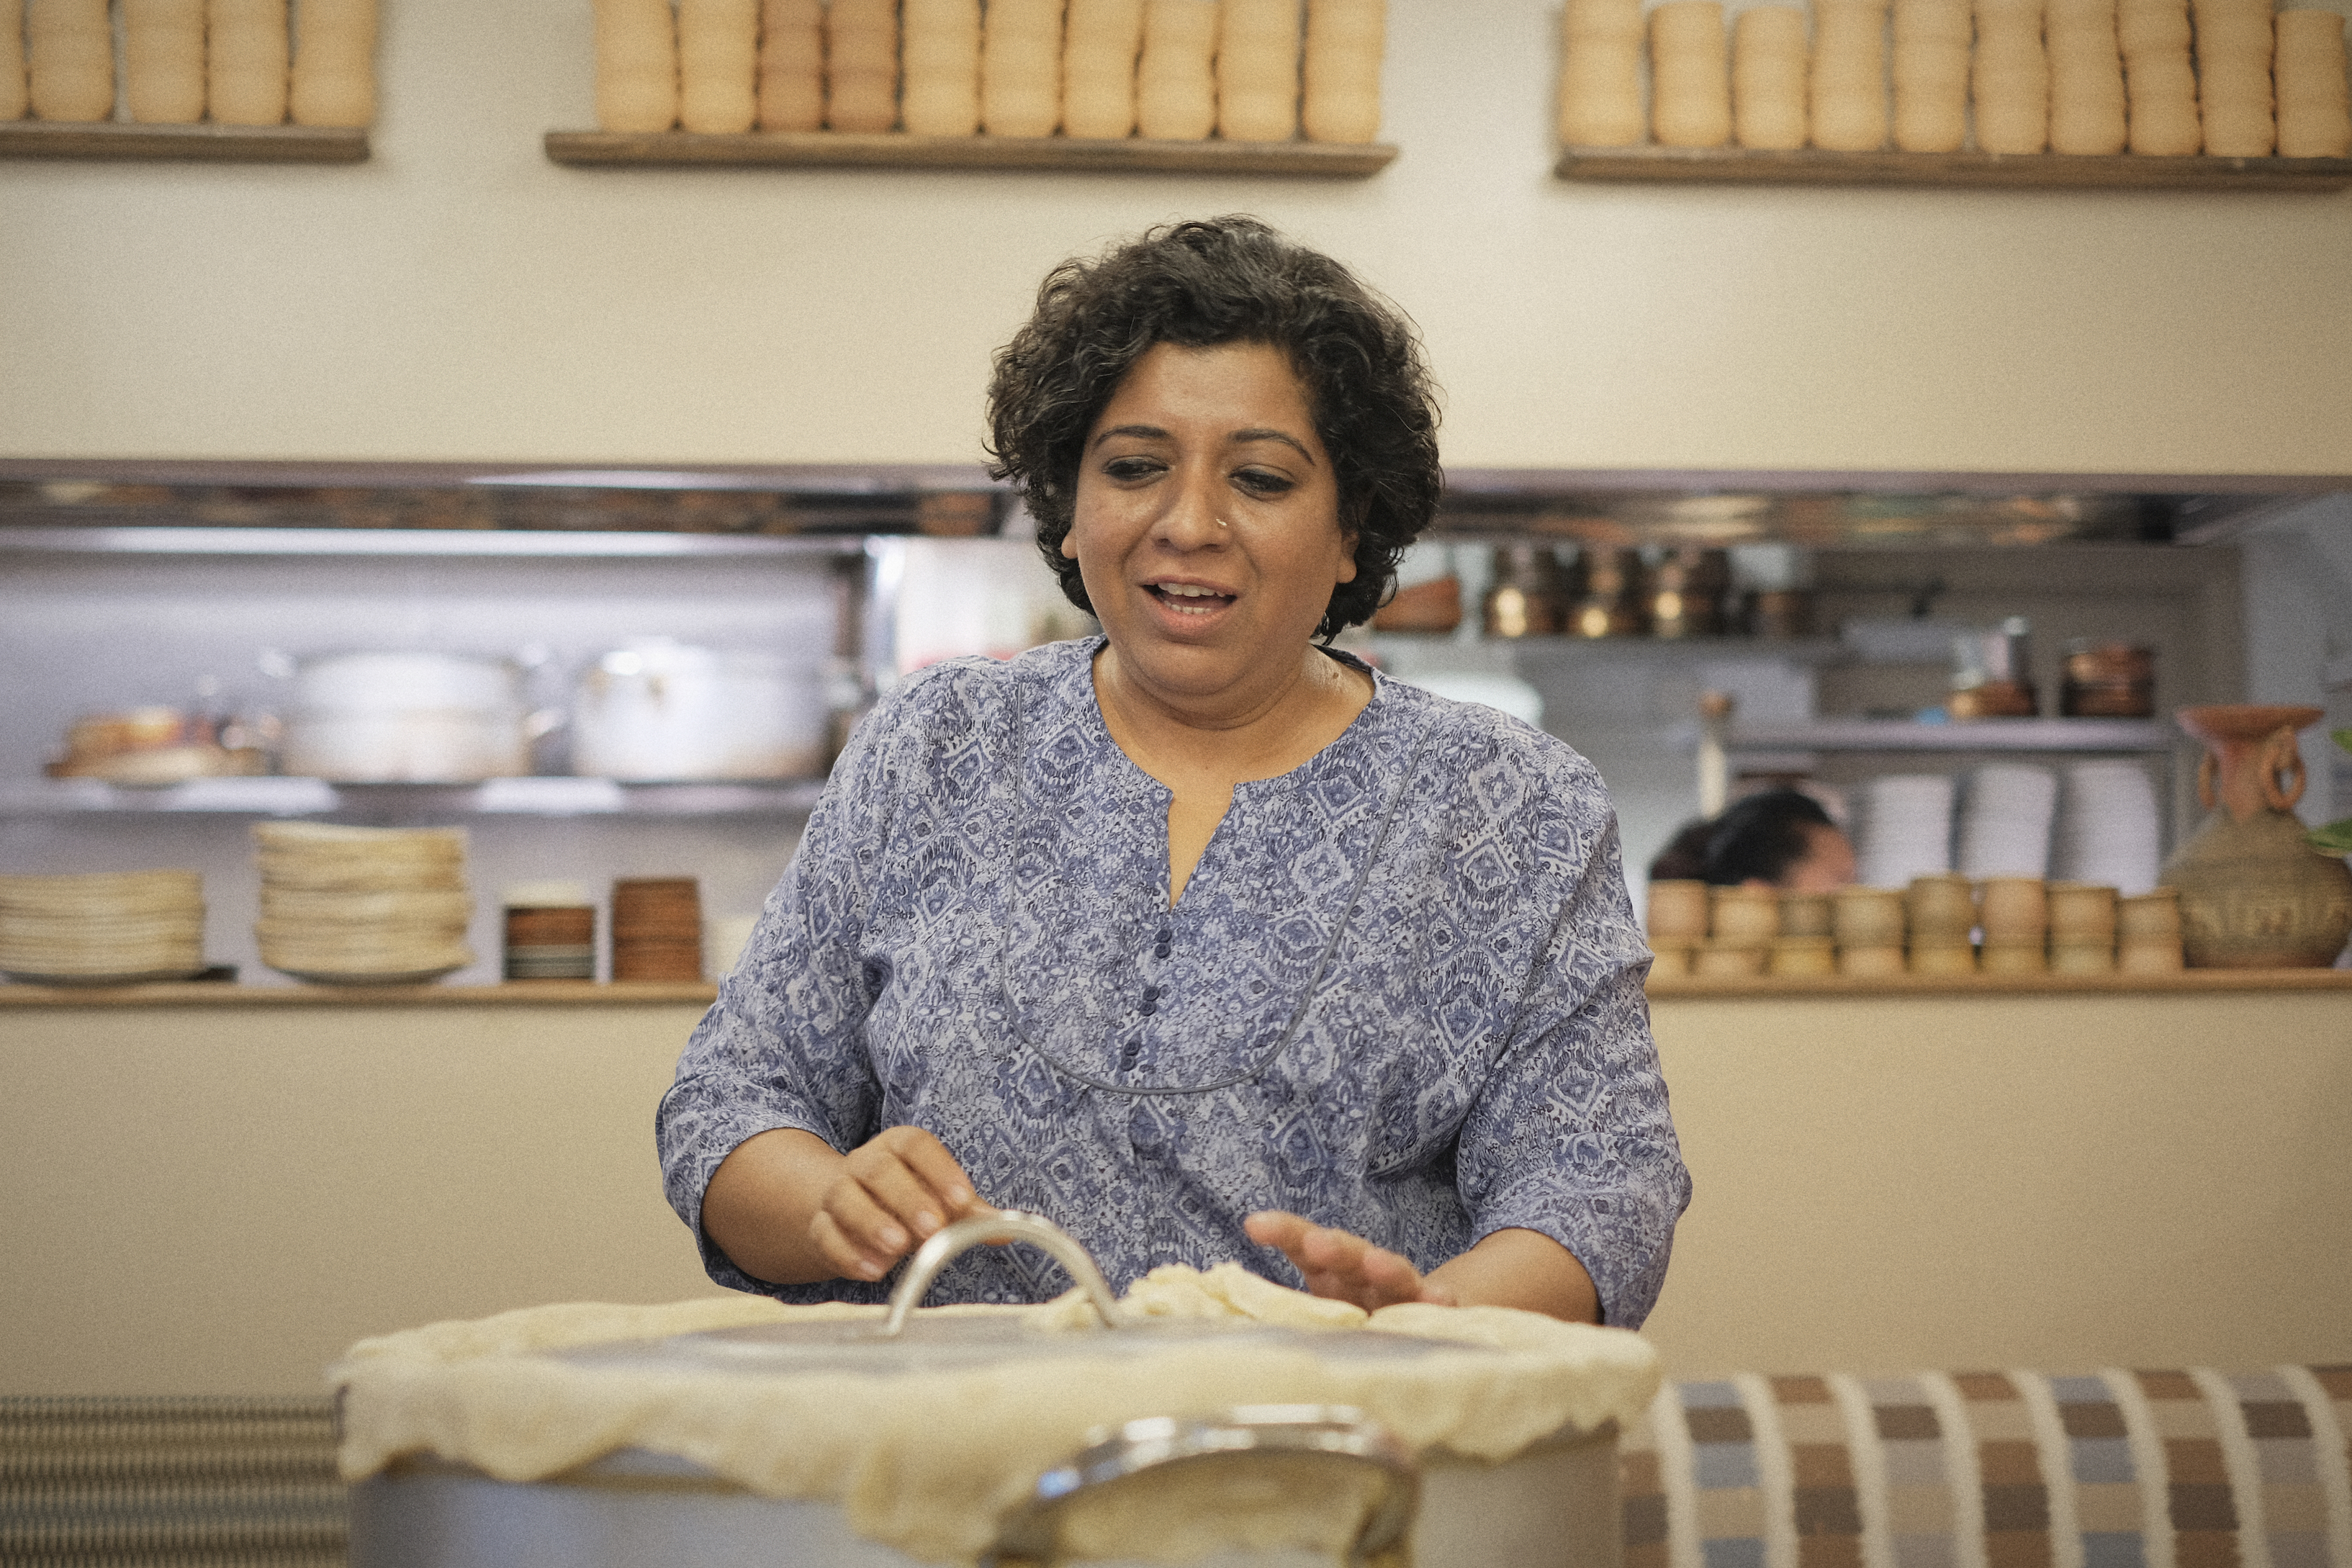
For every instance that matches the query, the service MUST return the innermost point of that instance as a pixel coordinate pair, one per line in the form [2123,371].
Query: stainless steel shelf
[1670,650]
[414,542]
[2127,736]
[401,802]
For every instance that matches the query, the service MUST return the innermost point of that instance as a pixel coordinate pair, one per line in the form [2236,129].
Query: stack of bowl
[1940,918]
[1742,924]
[102,929]
[363,906]
[550,931]
[2082,928]
[656,929]
[1868,924]
[2015,914]
[1806,944]
[2148,929]
[1677,924]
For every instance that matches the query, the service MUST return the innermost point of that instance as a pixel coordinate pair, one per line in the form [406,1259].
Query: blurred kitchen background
[1838,659]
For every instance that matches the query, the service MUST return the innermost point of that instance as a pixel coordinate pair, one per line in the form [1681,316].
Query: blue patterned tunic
[1402,994]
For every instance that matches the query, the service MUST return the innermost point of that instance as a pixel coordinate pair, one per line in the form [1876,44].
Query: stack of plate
[363,906]
[2108,830]
[550,931]
[2005,821]
[656,929]
[1906,830]
[105,929]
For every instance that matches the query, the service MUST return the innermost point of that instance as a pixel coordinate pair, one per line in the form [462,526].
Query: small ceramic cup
[1867,917]
[1805,914]
[1730,960]
[1939,907]
[2080,912]
[2013,957]
[1750,916]
[1872,962]
[2149,955]
[1942,958]
[2013,910]
[1677,911]
[2080,955]
[1804,955]
[2156,914]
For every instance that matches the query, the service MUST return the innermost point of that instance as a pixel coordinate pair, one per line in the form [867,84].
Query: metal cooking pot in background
[655,709]
[409,718]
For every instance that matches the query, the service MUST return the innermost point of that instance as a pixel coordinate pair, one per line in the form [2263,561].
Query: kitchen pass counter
[217,1190]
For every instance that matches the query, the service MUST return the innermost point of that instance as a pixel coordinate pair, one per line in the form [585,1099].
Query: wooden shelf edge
[2041,171]
[843,150]
[523,992]
[201,144]
[1682,988]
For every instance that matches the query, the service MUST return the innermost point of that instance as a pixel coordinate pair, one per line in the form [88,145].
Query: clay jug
[2253,895]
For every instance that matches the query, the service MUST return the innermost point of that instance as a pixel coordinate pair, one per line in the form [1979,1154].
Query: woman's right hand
[892,1194]
[787,1207]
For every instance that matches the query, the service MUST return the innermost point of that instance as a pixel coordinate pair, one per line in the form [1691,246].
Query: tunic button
[1160,951]
[1149,1008]
[1151,994]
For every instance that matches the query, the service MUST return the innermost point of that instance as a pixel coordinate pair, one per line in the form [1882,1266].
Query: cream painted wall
[460,298]
[219,1199]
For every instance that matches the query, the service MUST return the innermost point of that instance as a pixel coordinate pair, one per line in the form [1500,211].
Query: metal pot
[655,709]
[409,718]
[1553,1505]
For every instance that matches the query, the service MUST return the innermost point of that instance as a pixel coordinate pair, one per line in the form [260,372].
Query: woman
[1202,940]
[1777,839]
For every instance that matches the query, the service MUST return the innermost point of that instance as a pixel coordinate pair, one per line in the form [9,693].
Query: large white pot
[654,710]
[408,718]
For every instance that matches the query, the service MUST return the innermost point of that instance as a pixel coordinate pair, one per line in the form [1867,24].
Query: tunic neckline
[1137,780]
[1354,734]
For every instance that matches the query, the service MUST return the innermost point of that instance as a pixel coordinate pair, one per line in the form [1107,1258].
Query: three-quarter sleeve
[782,1047]
[1570,1136]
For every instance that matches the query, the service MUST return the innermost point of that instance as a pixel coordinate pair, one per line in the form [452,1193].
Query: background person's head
[1197,284]
[1780,838]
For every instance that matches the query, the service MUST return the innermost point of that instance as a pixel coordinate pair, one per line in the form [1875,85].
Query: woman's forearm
[1521,1268]
[761,1200]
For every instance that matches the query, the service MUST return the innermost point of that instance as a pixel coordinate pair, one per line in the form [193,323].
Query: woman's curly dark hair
[1199,284]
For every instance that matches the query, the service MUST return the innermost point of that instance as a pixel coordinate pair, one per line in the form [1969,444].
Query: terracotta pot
[2253,895]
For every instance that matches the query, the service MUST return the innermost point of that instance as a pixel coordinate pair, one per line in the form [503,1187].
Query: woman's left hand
[1344,1267]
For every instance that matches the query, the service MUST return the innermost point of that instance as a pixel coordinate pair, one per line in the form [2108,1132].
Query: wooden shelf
[2041,171]
[201,144]
[2198,981]
[513,993]
[843,150]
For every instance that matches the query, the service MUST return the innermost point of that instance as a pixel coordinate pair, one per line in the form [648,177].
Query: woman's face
[1207,523]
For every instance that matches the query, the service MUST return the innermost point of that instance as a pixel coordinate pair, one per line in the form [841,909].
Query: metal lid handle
[1029,1535]
[1005,1224]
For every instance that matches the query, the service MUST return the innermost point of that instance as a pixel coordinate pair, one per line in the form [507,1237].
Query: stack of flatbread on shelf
[109,928]
[362,906]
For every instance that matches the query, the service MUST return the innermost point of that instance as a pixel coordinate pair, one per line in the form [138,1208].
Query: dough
[928,1463]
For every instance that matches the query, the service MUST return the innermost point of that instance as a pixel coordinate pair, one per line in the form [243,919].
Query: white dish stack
[2107,828]
[102,929]
[363,906]
[1905,828]
[2005,821]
